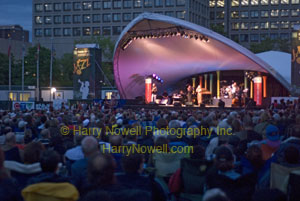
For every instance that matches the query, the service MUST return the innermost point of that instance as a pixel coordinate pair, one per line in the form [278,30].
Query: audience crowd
[67,154]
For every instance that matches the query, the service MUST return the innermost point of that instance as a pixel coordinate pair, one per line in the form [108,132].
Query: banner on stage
[18,105]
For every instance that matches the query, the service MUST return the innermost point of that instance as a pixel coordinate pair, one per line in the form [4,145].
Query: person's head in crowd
[78,139]
[49,161]
[27,136]
[272,133]
[22,124]
[101,168]
[97,196]
[162,123]
[115,140]
[45,134]
[133,163]
[269,195]
[264,117]
[3,173]
[215,194]
[236,126]
[255,156]
[32,152]
[296,131]
[292,155]
[89,146]
[224,160]
[10,139]
[198,153]
[7,129]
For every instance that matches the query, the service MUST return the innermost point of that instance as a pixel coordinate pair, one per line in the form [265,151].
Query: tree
[3,69]
[219,28]
[63,71]
[269,44]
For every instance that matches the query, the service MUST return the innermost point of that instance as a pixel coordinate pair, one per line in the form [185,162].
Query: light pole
[53,90]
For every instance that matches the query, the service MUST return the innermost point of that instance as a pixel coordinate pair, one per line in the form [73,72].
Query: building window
[158,3]
[96,31]
[38,32]
[48,7]
[106,4]
[57,7]
[220,3]
[67,19]
[136,14]
[48,19]
[117,4]
[273,36]
[86,31]
[38,20]
[180,2]
[244,25]
[234,14]
[180,14]
[264,25]
[244,2]
[254,14]
[117,30]
[86,18]
[274,2]
[126,17]
[127,3]
[254,25]
[106,17]
[39,7]
[170,3]
[57,19]
[212,15]
[235,37]
[234,3]
[220,14]
[137,3]
[67,6]
[47,32]
[97,5]
[116,17]
[67,31]
[148,3]
[264,36]
[76,31]
[57,32]
[212,3]
[244,14]
[254,2]
[274,25]
[264,13]
[106,31]
[284,36]
[96,18]
[244,38]
[76,19]
[169,13]
[254,38]
[87,5]
[274,13]
[285,2]
[159,12]
[284,13]
[295,1]
[77,6]
[264,2]
[235,26]
[295,13]
[284,25]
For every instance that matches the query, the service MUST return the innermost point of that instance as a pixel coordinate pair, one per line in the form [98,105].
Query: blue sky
[16,12]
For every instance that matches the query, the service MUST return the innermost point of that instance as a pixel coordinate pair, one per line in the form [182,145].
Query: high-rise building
[252,21]
[64,21]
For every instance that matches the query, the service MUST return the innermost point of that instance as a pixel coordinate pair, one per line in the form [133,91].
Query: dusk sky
[16,12]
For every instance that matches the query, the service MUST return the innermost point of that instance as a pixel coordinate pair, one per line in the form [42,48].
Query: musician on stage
[154,92]
[199,95]
[189,93]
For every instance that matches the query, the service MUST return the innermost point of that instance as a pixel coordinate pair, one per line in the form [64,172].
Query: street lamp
[53,90]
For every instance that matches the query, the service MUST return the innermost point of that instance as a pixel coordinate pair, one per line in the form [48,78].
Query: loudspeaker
[177,104]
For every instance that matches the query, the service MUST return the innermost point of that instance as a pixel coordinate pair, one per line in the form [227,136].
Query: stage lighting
[191,36]
[158,79]
[154,75]
[206,39]
[161,81]
[196,37]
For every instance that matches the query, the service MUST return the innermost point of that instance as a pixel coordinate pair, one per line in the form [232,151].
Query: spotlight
[196,37]
[191,36]
[161,81]
[153,75]
[156,77]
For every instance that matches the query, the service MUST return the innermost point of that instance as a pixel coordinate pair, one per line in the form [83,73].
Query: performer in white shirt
[199,94]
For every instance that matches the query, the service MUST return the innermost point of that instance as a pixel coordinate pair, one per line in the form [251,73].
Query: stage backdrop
[87,76]
[295,71]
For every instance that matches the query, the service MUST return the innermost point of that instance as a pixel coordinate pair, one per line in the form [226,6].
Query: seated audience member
[45,135]
[223,176]
[11,151]
[89,147]
[9,189]
[101,176]
[97,196]
[215,194]
[272,143]
[48,185]
[269,195]
[75,153]
[117,141]
[31,167]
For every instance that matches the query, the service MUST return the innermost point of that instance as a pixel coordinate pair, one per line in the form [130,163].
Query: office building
[252,21]
[63,22]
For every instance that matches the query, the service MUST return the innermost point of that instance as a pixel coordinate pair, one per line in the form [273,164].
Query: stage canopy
[175,49]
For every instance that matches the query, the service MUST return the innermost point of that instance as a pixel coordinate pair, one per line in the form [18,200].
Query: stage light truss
[163,33]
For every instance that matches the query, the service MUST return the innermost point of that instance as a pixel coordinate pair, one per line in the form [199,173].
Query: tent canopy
[146,46]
